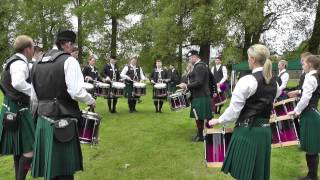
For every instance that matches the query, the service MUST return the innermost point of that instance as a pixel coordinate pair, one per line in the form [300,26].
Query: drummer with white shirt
[112,74]
[57,85]
[307,109]
[283,77]
[220,74]
[17,134]
[249,151]
[132,73]
[159,75]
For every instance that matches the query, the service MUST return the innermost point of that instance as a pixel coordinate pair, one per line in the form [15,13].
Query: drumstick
[195,113]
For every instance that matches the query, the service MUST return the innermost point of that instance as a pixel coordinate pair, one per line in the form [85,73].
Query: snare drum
[216,145]
[139,89]
[179,100]
[117,89]
[160,90]
[89,87]
[88,127]
[102,89]
[284,133]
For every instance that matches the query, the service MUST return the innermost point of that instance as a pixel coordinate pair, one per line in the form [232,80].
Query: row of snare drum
[114,89]
[285,132]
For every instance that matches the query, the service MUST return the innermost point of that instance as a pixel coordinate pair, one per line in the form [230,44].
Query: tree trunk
[114,30]
[315,37]
[247,43]
[205,52]
[180,59]
[80,40]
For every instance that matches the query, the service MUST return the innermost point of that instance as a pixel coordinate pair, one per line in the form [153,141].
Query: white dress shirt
[74,81]
[19,71]
[124,71]
[284,79]
[224,72]
[245,88]
[310,84]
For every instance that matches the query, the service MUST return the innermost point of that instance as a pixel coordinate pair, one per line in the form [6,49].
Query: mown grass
[156,146]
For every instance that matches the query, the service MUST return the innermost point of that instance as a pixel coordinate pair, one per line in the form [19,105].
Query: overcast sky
[283,38]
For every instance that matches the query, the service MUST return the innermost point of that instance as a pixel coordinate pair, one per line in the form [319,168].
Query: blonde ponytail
[267,71]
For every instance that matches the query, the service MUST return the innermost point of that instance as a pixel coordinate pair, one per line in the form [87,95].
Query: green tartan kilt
[201,108]
[19,141]
[52,158]
[310,131]
[129,91]
[248,154]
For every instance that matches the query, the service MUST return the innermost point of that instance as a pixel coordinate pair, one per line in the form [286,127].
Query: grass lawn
[156,146]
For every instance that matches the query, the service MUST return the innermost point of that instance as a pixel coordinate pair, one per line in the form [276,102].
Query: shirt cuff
[91,101]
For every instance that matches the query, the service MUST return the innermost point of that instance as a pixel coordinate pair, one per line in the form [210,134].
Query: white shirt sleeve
[225,74]
[212,70]
[142,77]
[123,73]
[310,84]
[19,71]
[75,82]
[241,93]
[284,79]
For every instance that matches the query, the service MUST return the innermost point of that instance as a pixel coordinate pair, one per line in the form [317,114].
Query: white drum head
[160,86]
[102,85]
[118,85]
[139,85]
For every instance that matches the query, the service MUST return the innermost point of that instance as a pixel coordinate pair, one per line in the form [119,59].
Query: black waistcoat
[155,75]
[313,103]
[6,82]
[48,79]
[218,74]
[131,73]
[260,104]
[108,71]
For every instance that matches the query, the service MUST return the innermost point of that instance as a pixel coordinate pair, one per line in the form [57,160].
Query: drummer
[90,72]
[112,74]
[174,76]
[283,77]
[298,88]
[158,75]
[220,74]
[248,155]
[198,84]
[307,109]
[132,73]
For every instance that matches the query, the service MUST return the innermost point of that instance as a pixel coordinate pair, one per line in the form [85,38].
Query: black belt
[253,123]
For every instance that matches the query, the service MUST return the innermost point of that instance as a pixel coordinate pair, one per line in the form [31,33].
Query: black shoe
[197,138]
[114,111]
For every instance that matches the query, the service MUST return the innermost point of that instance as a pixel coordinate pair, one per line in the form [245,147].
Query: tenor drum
[160,90]
[284,133]
[102,89]
[139,89]
[179,100]
[216,145]
[88,127]
[282,108]
[117,89]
